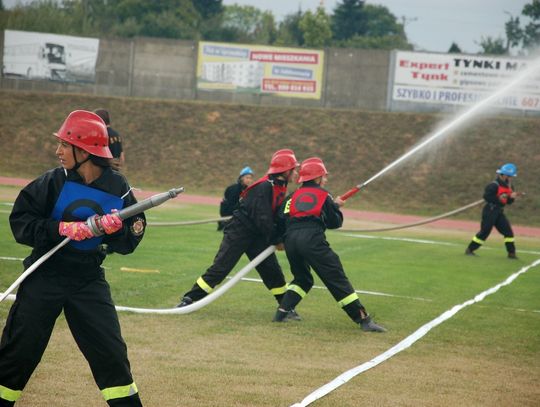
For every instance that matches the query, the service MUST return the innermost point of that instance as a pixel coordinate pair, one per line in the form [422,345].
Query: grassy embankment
[202,146]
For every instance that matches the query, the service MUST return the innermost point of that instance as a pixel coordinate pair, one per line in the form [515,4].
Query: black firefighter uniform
[72,280]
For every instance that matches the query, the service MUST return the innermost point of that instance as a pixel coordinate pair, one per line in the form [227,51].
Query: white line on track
[408,341]
[423,241]
[258,280]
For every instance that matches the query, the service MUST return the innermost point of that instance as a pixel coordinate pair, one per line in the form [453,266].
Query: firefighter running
[308,212]
[49,209]
[497,195]
[251,230]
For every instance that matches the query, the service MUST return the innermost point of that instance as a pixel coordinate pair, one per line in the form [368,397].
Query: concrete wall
[166,69]
[356,78]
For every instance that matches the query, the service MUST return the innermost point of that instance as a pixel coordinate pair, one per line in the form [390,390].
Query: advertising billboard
[288,72]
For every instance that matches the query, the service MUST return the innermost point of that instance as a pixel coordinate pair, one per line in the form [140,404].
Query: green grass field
[231,354]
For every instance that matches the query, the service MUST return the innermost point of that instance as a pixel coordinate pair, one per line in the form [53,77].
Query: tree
[208,8]
[379,22]
[493,46]
[359,25]
[348,19]
[250,24]
[454,49]
[316,28]
[289,31]
[531,33]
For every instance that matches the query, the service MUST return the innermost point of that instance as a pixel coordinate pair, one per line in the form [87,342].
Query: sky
[431,25]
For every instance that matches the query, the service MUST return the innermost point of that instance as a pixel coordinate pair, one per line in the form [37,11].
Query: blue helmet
[508,169]
[246,171]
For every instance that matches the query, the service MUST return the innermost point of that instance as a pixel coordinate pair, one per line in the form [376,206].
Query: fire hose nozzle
[93,221]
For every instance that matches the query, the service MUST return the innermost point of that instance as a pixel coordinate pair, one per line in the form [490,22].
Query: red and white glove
[75,230]
[110,223]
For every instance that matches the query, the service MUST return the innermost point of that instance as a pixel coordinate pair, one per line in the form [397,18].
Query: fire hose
[125,213]
[422,222]
[214,295]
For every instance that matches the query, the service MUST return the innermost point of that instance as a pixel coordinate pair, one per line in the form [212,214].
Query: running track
[381,217]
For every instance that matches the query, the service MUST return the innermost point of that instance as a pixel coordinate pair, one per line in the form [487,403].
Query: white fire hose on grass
[214,295]
[125,213]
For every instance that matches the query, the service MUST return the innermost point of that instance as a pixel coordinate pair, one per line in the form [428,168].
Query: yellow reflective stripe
[348,299]
[509,240]
[8,394]
[201,283]
[119,391]
[287,207]
[279,290]
[297,289]
[477,240]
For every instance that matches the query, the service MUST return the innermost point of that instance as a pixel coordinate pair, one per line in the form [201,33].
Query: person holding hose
[308,212]
[231,196]
[497,195]
[51,208]
[251,230]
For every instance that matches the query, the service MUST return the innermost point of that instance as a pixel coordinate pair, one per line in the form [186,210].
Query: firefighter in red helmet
[308,212]
[251,230]
[49,209]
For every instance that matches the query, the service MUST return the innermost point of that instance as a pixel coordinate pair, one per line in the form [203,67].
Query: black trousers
[493,216]
[237,240]
[92,319]
[307,247]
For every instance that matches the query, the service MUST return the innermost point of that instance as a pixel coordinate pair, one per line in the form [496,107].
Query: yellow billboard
[287,72]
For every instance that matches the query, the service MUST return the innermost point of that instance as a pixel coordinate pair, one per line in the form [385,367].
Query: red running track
[381,217]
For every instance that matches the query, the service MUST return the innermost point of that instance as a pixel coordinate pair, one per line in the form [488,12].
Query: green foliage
[493,46]
[249,24]
[289,31]
[348,19]
[531,34]
[316,28]
[454,49]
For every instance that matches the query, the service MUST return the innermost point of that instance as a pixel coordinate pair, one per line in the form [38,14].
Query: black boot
[367,325]
[185,301]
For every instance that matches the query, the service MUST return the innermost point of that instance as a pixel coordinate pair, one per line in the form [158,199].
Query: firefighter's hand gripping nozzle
[94,223]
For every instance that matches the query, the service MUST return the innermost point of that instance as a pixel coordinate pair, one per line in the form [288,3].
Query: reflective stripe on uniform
[8,394]
[509,240]
[119,391]
[348,299]
[278,290]
[201,283]
[477,240]
[297,289]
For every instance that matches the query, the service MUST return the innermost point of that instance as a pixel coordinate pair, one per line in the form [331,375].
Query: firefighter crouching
[49,209]
[308,212]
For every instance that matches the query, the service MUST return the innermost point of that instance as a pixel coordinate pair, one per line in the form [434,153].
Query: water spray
[535,67]
[125,213]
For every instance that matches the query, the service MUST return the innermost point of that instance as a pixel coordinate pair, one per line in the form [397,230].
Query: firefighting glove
[75,230]
[110,223]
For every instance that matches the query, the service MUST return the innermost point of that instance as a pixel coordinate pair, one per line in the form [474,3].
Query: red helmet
[87,131]
[311,168]
[282,160]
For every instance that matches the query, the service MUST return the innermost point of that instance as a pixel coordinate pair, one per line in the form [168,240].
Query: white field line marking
[258,280]
[7,203]
[135,270]
[12,258]
[408,341]
[3,211]
[424,241]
